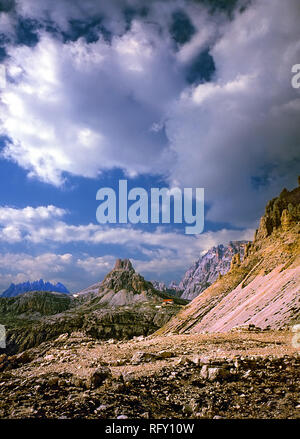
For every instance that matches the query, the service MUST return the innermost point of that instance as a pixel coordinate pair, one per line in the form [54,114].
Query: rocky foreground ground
[234,375]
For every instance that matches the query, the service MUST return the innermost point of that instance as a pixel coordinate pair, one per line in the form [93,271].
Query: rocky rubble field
[233,375]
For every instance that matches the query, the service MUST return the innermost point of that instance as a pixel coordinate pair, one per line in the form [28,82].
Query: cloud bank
[79,107]
[239,135]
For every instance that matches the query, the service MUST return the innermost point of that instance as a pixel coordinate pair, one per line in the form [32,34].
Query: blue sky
[163,93]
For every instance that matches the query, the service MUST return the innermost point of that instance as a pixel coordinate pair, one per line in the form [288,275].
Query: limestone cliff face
[159,286]
[262,290]
[172,289]
[282,211]
[208,268]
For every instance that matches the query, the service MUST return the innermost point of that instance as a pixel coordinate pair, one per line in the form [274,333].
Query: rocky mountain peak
[209,267]
[123,264]
[281,212]
[124,277]
[159,286]
[235,261]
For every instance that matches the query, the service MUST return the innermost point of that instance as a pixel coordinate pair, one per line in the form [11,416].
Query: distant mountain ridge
[172,288]
[38,285]
[160,286]
[208,268]
[205,271]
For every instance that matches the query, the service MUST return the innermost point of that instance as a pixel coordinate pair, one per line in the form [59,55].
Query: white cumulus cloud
[81,108]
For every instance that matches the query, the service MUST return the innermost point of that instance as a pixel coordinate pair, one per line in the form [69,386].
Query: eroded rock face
[282,211]
[124,277]
[235,261]
[35,303]
[215,263]
[286,220]
[262,288]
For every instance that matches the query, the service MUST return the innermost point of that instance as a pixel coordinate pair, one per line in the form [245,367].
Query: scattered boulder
[97,378]
[53,381]
[214,373]
[127,377]
[263,387]
[101,408]
[250,327]
[78,382]
[15,360]
[182,361]
[196,360]
[139,338]
[143,357]
[22,358]
[165,354]
[3,357]
[188,409]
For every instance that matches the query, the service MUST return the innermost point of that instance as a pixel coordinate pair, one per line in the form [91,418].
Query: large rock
[97,378]
[214,373]
[143,357]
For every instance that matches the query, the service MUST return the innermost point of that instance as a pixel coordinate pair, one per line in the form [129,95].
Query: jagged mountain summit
[172,289]
[207,269]
[262,290]
[121,286]
[175,287]
[122,276]
[38,285]
[160,286]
